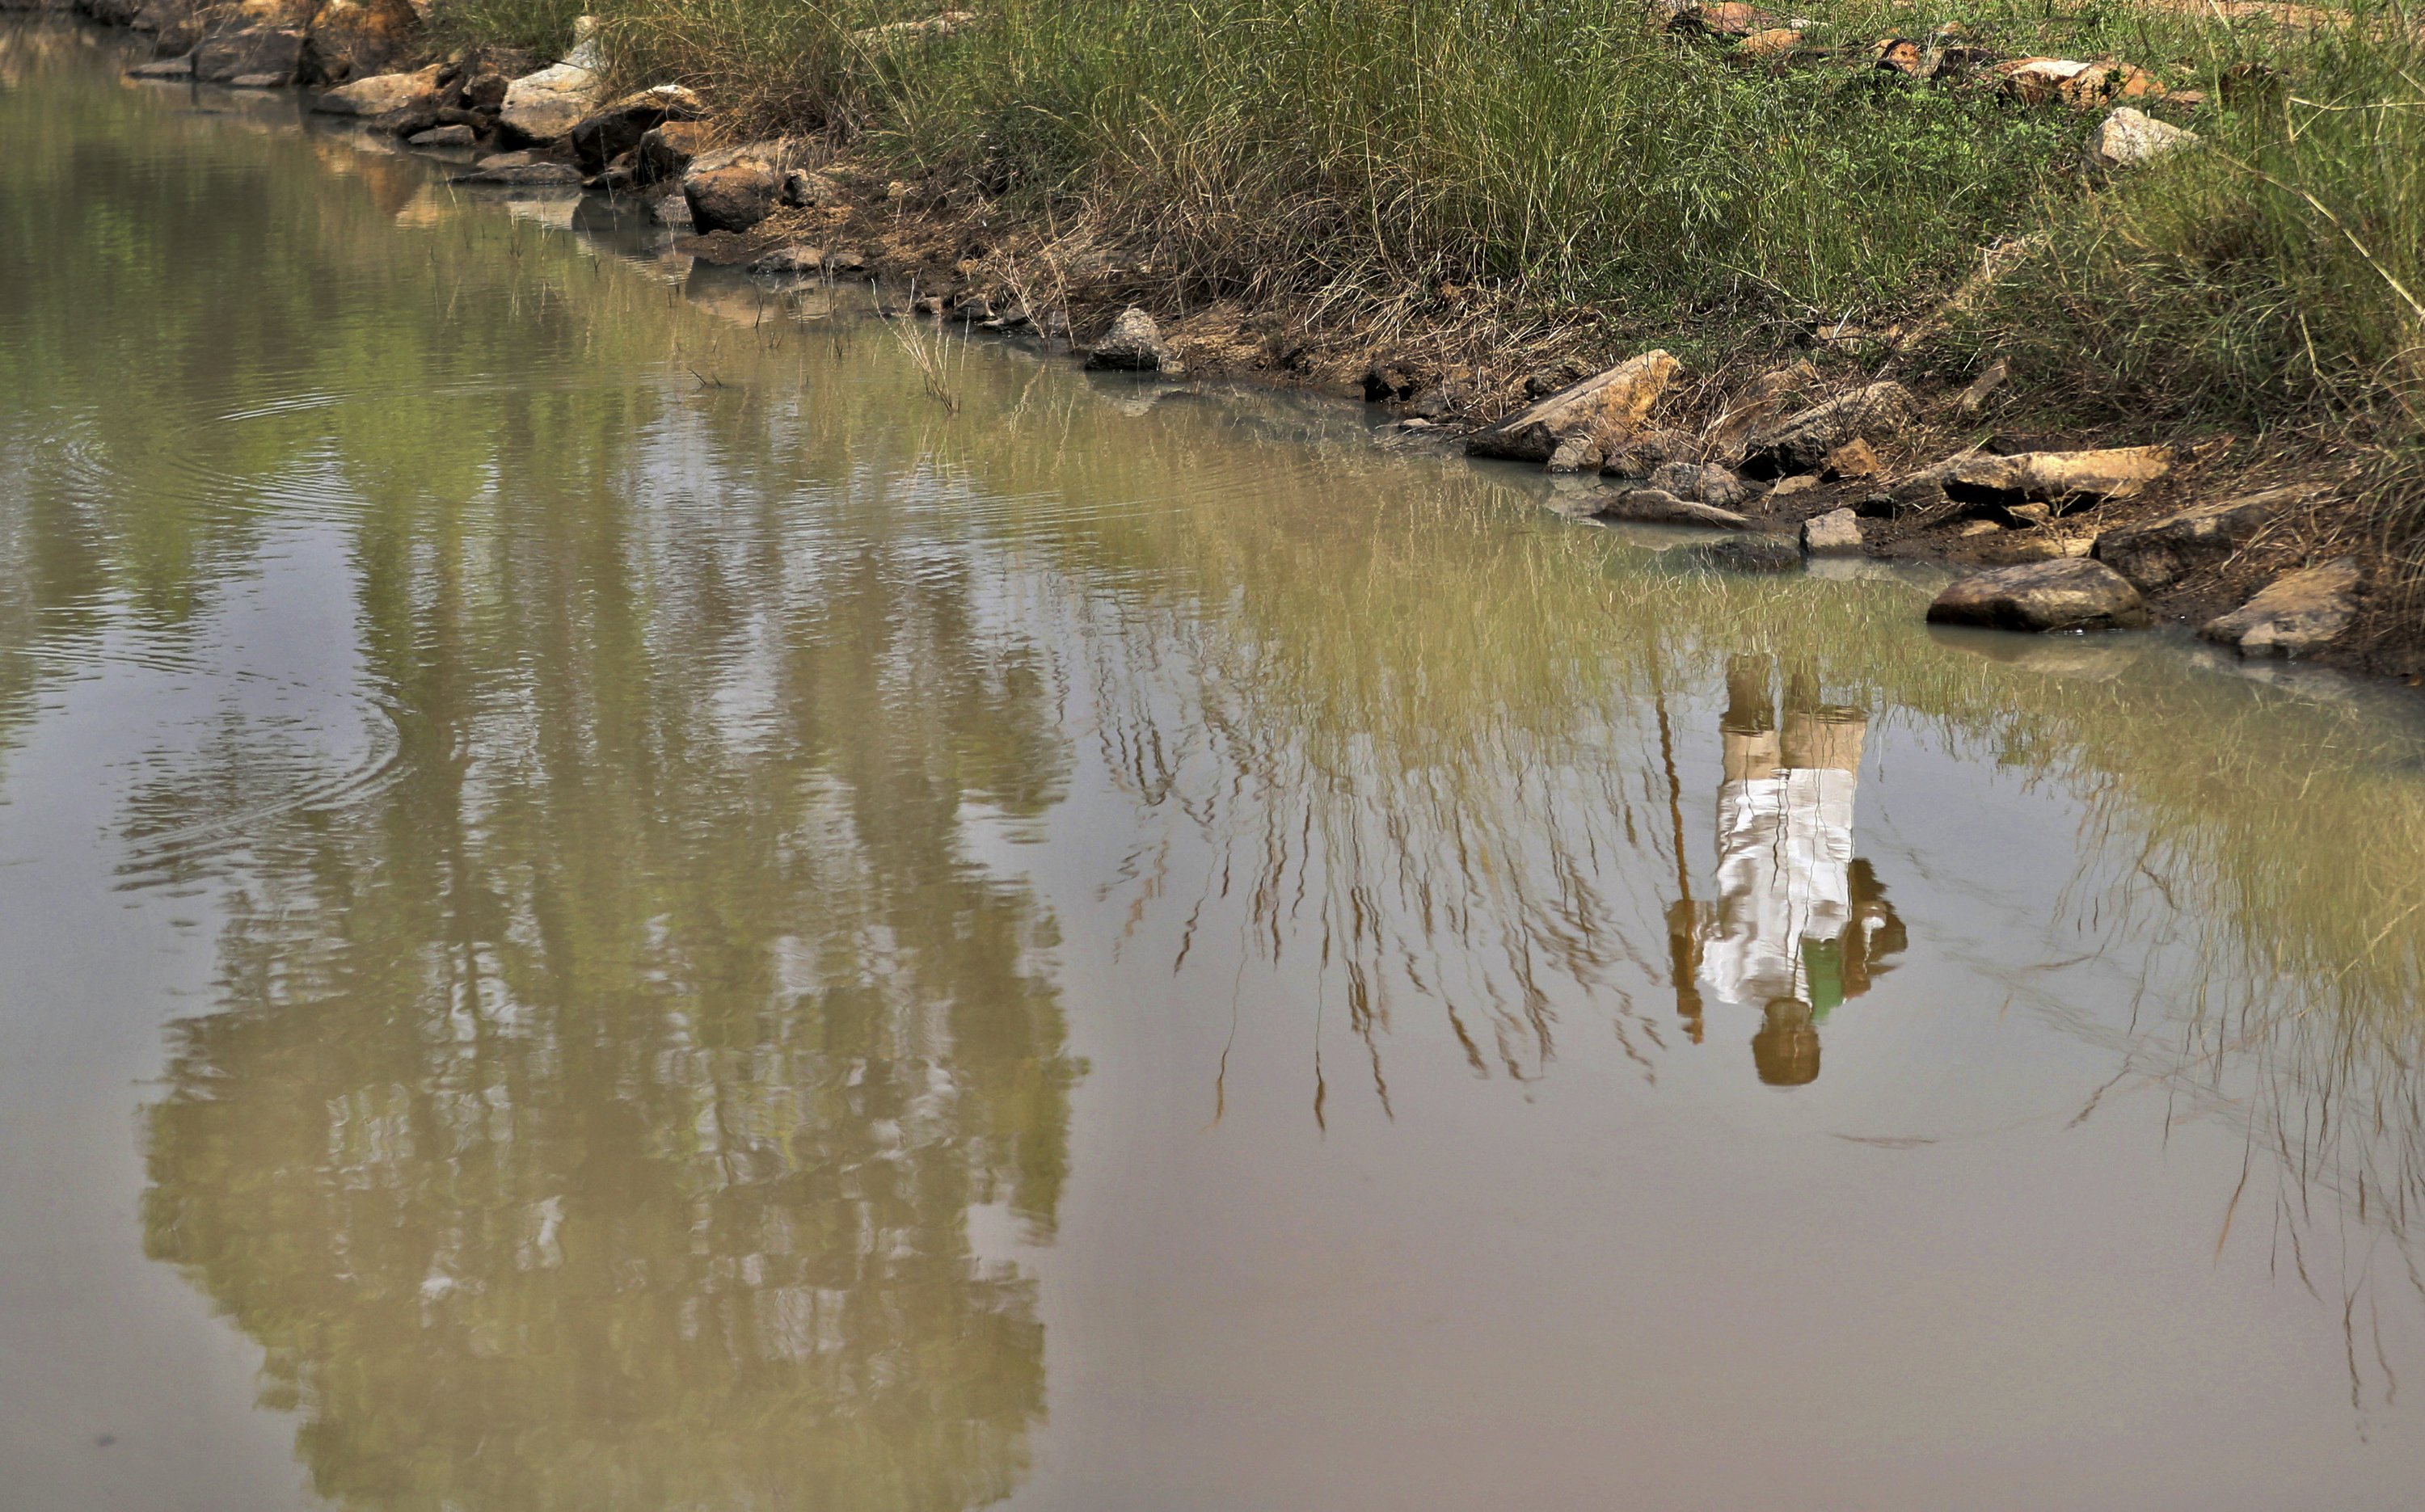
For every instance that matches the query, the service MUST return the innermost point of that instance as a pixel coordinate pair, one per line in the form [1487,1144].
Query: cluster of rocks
[269,44]
[2013,509]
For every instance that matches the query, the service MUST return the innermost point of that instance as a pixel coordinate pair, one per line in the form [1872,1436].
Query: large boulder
[1802,442]
[381,94]
[2296,613]
[2061,479]
[1134,344]
[544,106]
[667,151]
[735,189]
[2156,556]
[2071,593]
[1602,412]
[355,39]
[616,128]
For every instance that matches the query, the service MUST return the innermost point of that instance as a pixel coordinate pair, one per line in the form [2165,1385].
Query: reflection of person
[1800,924]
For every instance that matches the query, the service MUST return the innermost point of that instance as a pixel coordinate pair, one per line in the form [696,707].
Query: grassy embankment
[1513,170]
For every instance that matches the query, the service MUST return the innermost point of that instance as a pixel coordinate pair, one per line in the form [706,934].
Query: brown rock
[733,198]
[1776,42]
[2082,86]
[233,52]
[2072,593]
[667,151]
[355,39]
[616,127]
[1856,458]
[381,94]
[2296,613]
[1803,442]
[2156,556]
[2063,479]
[1607,408]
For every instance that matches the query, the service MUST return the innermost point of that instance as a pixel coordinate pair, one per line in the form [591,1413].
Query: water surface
[609,904]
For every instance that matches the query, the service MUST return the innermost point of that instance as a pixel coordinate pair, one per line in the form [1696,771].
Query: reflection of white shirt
[1785,861]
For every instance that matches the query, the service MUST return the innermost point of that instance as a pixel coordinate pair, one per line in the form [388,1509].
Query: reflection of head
[1785,1052]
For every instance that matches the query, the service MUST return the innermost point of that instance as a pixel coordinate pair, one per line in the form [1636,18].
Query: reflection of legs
[1819,735]
[1785,1052]
[1748,732]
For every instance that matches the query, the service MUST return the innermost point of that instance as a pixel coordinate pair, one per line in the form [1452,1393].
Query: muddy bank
[1937,472]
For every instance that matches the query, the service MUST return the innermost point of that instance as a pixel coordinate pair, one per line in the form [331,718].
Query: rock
[668,151]
[1776,42]
[1391,378]
[381,94]
[2128,138]
[670,210]
[1576,453]
[803,190]
[1802,442]
[1980,527]
[2156,556]
[544,106]
[2034,81]
[2063,479]
[2298,613]
[1837,532]
[1761,552]
[167,67]
[1701,483]
[799,259]
[227,54]
[1800,483]
[457,135]
[733,198]
[1646,452]
[356,38]
[1559,376]
[259,81]
[616,127]
[2072,593]
[1134,344]
[2006,550]
[517,170]
[1856,458]
[489,71]
[1657,506]
[1607,408]
[1983,387]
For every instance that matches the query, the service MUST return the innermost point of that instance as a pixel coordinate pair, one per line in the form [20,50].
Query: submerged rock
[1605,409]
[455,135]
[2070,594]
[799,259]
[1761,552]
[1657,506]
[519,168]
[1134,344]
[2297,613]
[2156,556]
[1802,442]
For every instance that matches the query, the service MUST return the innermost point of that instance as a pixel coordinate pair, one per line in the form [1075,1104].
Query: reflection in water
[1799,924]
[636,1038]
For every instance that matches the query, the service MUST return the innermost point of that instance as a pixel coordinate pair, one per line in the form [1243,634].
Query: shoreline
[1933,479]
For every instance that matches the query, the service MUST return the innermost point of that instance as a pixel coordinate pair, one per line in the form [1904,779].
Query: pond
[624,888]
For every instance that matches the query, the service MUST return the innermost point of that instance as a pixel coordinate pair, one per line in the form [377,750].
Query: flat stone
[1802,442]
[2006,550]
[1801,483]
[2156,556]
[2072,593]
[259,81]
[1607,408]
[381,94]
[1760,552]
[443,136]
[1657,506]
[2063,479]
[2296,613]
[2128,138]
[167,67]
[520,174]
[1134,344]
[798,260]
[1837,532]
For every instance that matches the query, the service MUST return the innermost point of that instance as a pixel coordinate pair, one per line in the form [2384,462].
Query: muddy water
[608,903]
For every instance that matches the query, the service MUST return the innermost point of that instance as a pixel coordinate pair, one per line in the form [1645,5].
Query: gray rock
[522,174]
[1837,532]
[544,107]
[1761,552]
[2298,613]
[228,54]
[806,191]
[1134,344]
[731,198]
[167,67]
[1702,482]
[799,259]
[1657,506]
[2158,555]
[443,136]
[2071,593]
[2128,138]
[1576,453]
[1801,442]
[670,210]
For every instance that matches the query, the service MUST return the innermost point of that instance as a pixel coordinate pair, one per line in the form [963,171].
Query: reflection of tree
[594,1104]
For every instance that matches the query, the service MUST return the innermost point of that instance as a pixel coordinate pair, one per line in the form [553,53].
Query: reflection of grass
[930,353]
